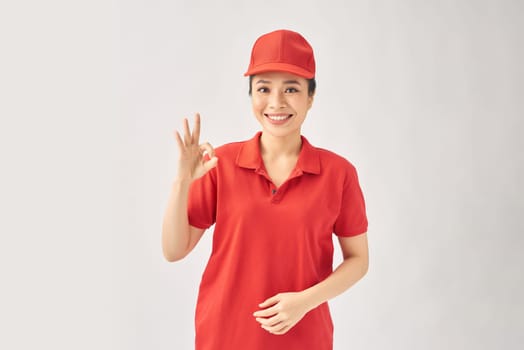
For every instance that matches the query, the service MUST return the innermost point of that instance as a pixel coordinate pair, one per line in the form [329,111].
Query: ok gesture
[195,159]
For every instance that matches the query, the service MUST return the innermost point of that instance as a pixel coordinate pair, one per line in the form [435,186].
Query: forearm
[175,227]
[345,275]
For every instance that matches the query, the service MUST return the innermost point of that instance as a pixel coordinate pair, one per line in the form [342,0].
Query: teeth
[278,117]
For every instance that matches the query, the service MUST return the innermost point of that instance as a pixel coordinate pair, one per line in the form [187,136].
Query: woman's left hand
[281,312]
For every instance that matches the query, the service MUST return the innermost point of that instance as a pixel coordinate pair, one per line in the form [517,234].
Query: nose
[277,100]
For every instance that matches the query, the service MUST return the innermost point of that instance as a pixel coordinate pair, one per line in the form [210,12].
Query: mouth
[278,118]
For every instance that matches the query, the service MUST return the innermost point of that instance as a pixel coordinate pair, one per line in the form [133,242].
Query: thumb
[211,163]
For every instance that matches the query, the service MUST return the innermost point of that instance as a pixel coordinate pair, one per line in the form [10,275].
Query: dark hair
[311,85]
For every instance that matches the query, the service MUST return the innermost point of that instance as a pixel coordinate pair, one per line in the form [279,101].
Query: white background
[424,97]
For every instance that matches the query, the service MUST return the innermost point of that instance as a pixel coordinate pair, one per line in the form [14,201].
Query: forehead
[279,77]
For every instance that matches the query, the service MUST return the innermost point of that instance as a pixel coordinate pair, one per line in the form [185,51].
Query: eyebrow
[261,81]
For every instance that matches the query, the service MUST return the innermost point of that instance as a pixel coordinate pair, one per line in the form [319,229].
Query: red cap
[282,51]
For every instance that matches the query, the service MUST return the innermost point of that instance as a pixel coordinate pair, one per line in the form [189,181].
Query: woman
[275,201]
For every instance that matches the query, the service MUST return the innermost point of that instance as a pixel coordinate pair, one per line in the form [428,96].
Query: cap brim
[280,67]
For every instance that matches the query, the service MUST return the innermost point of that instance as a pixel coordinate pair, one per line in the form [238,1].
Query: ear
[310,100]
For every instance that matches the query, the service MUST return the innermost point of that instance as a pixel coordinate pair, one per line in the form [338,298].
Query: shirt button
[274,191]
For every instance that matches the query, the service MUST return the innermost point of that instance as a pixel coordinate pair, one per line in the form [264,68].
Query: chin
[276,132]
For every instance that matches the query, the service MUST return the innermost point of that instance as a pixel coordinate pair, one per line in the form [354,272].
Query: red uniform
[270,240]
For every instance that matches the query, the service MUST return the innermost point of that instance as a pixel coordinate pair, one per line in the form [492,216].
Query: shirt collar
[249,156]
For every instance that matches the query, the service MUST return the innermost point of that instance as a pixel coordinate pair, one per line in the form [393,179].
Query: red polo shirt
[270,240]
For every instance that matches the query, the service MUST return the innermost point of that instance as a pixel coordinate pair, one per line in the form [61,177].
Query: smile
[278,117]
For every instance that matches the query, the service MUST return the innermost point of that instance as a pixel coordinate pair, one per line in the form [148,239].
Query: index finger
[196,131]
[270,311]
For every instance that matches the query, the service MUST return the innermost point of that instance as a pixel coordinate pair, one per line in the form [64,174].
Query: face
[280,102]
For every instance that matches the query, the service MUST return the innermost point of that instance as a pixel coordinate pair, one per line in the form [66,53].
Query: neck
[274,146]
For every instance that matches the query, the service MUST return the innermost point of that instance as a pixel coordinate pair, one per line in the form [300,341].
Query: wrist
[182,181]
[310,298]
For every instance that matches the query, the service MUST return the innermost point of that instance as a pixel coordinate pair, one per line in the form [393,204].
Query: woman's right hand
[195,159]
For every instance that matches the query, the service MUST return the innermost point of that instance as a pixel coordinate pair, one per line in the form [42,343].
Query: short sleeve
[352,219]
[202,201]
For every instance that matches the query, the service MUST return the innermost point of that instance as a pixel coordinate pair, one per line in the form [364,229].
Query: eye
[263,89]
[290,90]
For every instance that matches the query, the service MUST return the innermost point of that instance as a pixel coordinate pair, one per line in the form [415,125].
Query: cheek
[302,105]
[257,104]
